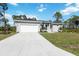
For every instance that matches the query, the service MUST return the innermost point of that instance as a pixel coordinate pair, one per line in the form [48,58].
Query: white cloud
[28,16]
[70,9]
[41,8]
[9,17]
[32,16]
[77,5]
[15,4]
[68,4]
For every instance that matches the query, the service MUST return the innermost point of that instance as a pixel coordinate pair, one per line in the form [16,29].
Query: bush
[12,29]
[70,30]
[0,28]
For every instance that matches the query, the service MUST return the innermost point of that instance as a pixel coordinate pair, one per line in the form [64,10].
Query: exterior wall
[53,28]
[18,26]
[49,30]
[56,28]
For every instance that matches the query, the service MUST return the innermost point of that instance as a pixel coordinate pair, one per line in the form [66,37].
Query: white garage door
[29,28]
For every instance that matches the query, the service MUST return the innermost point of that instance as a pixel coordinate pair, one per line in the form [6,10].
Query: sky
[42,11]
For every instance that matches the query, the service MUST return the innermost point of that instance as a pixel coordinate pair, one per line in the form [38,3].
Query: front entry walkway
[29,44]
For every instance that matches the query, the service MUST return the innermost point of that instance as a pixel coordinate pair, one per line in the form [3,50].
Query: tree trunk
[4,24]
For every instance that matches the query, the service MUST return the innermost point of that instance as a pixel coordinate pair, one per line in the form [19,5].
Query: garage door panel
[29,28]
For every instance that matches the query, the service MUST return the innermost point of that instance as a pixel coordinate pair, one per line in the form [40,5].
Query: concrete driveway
[29,44]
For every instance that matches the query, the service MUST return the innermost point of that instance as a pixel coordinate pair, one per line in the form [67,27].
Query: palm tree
[4,7]
[58,16]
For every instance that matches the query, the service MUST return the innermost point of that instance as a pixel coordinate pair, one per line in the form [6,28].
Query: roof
[56,23]
[37,21]
[26,21]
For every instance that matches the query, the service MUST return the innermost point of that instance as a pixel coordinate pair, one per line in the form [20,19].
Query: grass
[64,40]
[3,36]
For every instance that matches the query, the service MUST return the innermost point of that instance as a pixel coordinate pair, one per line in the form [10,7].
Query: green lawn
[66,41]
[3,36]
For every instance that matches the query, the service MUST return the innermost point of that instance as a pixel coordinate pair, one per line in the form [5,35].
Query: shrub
[70,30]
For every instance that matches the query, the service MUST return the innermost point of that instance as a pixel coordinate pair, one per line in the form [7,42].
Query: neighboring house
[72,24]
[36,26]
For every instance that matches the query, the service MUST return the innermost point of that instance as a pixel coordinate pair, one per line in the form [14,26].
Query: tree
[8,27]
[19,17]
[34,19]
[4,7]
[5,24]
[73,21]
[23,17]
[58,16]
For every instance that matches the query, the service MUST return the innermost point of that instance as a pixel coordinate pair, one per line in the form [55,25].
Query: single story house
[73,24]
[37,26]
